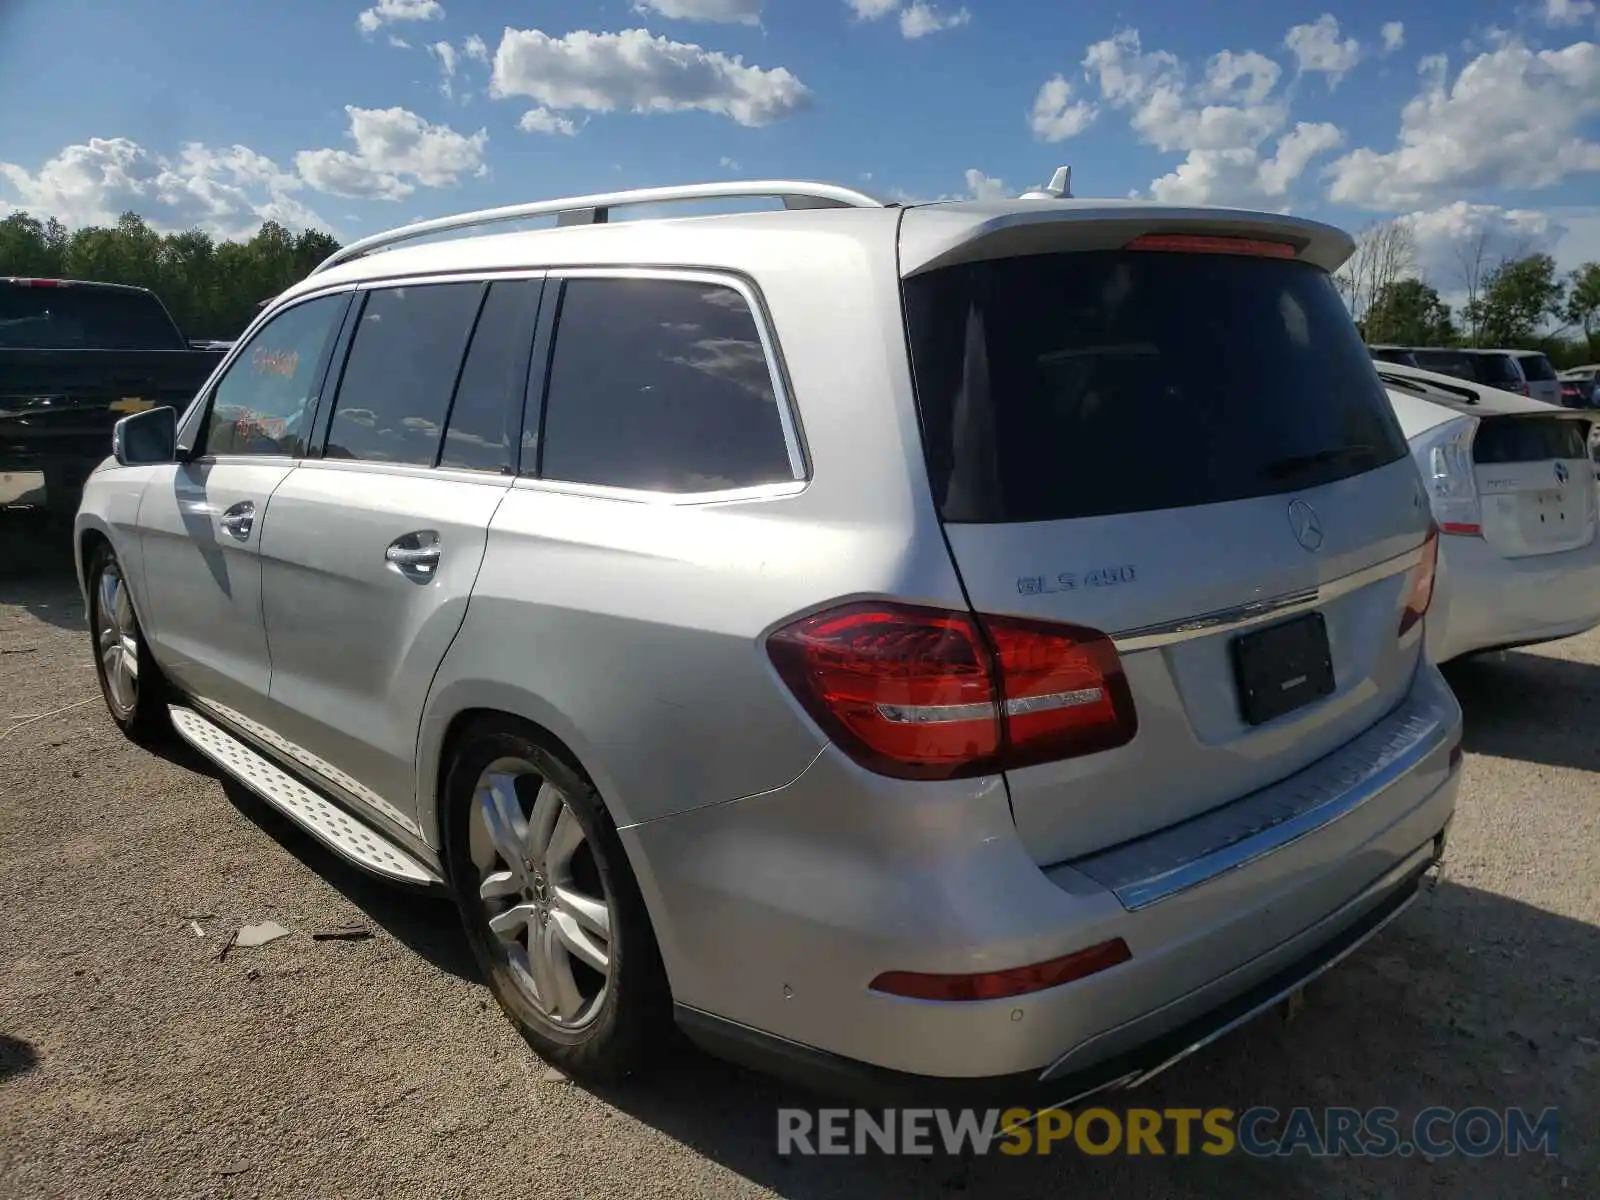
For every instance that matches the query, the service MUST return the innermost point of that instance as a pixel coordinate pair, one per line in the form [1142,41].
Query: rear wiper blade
[1294,464]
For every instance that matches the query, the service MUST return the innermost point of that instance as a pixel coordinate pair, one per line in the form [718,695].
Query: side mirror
[146,439]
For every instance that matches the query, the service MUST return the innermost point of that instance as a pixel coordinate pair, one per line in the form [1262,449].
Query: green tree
[213,289]
[1518,297]
[1583,305]
[1410,313]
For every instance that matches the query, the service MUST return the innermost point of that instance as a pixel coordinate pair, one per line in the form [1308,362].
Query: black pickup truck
[74,358]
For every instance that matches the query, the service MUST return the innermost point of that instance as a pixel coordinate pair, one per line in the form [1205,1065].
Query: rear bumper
[776,912]
[1486,601]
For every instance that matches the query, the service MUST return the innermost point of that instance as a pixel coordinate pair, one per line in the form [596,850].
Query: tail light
[1452,483]
[1189,243]
[1014,981]
[920,693]
[1423,575]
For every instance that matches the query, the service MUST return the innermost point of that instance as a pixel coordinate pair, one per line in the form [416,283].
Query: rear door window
[1536,367]
[401,372]
[1498,370]
[494,380]
[1076,385]
[661,385]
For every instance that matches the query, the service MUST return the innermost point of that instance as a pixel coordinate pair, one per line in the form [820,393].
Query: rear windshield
[1529,439]
[1076,385]
[1447,362]
[84,318]
[1536,367]
[1497,369]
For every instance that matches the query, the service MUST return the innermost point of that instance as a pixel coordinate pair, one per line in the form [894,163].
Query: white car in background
[1514,493]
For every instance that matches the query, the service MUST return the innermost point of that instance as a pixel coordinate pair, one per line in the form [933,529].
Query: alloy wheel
[117,640]
[542,895]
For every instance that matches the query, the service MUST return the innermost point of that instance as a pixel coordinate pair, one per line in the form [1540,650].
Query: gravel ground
[133,1062]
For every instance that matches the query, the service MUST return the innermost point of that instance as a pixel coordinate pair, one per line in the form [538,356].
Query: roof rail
[596,209]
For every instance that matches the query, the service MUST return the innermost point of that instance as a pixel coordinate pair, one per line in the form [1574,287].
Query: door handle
[415,555]
[239,520]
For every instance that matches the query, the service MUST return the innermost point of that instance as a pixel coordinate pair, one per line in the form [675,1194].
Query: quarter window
[661,385]
[263,403]
[401,372]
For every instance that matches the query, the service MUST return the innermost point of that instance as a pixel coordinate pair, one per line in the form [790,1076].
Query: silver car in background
[971,641]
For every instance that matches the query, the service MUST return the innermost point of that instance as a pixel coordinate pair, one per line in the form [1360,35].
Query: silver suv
[966,640]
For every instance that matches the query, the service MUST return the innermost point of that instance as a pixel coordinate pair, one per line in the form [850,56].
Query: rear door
[374,547]
[1179,449]
[1535,483]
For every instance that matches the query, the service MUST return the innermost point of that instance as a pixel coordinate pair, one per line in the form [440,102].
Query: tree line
[1513,298]
[212,288]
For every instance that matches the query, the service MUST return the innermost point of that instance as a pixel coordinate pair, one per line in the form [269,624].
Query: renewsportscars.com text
[1260,1132]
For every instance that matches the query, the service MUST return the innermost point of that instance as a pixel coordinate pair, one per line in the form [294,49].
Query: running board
[341,831]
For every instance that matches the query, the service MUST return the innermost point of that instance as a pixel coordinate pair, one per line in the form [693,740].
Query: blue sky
[361,114]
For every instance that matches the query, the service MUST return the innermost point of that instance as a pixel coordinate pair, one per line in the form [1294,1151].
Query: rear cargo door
[1535,482]
[1191,451]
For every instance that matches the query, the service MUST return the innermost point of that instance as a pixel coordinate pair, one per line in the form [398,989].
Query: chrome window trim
[1255,612]
[594,491]
[788,418]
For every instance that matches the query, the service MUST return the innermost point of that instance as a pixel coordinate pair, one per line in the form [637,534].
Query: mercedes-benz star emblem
[1307,527]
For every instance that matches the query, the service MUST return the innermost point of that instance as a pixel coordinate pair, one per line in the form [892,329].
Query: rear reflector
[997,985]
[1422,579]
[1461,529]
[922,693]
[1184,243]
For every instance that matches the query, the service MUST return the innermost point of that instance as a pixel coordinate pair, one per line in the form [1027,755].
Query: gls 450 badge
[1071,581]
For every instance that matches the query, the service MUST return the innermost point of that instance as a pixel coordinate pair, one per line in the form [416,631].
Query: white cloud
[1227,71]
[399,43]
[446,54]
[476,48]
[1241,176]
[1316,47]
[226,191]
[872,10]
[985,187]
[919,19]
[728,164]
[396,150]
[639,72]
[1166,113]
[1394,36]
[1568,12]
[1056,115]
[740,12]
[1222,123]
[1514,117]
[1449,237]
[542,120]
[387,11]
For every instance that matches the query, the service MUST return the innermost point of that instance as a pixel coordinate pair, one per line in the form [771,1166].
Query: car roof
[929,235]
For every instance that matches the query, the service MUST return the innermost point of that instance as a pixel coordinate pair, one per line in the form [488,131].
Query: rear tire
[550,905]
[131,684]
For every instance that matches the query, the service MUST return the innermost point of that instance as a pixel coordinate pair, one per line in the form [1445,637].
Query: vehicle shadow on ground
[1394,1025]
[425,922]
[36,568]
[17,1057]
[1528,706]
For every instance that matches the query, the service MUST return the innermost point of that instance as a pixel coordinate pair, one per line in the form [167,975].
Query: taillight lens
[1189,243]
[1423,575]
[1448,471]
[920,693]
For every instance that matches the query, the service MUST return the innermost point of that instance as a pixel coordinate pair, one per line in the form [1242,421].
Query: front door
[200,520]
[373,548]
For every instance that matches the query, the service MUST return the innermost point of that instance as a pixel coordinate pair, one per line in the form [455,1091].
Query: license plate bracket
[1282,668]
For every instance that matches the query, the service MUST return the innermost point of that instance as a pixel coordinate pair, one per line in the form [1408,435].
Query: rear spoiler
[1453,390]
[942,235]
